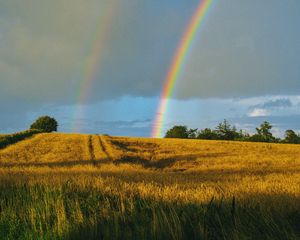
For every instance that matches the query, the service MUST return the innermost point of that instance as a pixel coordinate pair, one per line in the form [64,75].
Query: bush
[177,132]
[208,134]
[263,134]
[45,124]
[16,137]
[291,137]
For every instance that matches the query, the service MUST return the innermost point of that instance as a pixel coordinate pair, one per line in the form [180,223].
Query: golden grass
[168,169]
[46,148]
[211,157]
[56,172]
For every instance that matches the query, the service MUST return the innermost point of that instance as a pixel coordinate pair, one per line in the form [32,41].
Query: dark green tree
[45,124]
[242,135]
[177,132]
[208,134]
[226,132]
[263,133]
[291,137]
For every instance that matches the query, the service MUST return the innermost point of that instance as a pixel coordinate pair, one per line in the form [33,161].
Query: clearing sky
[102,64]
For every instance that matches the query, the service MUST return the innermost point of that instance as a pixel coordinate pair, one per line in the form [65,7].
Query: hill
[72,186]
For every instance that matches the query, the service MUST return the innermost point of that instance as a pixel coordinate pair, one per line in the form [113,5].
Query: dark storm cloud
[46,48]
[245,48]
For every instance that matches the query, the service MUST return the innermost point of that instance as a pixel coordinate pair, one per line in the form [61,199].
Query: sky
[244,64]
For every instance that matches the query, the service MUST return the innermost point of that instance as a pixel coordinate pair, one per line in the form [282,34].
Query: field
[68,186]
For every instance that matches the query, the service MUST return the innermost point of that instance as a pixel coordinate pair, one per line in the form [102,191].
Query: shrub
[45,124]
[16,137]
[291,137]
[208,134]
[177,132]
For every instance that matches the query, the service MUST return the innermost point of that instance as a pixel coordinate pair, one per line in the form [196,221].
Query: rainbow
[93,59]
[178,63]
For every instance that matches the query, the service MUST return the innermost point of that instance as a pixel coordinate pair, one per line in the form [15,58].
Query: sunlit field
[68,186]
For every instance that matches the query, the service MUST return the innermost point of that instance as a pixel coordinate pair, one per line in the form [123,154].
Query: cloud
[126,128]
[245,49]
[240,52]
[272,106]
[268,107]
[277,103]
[125,124]
[41,48]
[258,112]
[46,48]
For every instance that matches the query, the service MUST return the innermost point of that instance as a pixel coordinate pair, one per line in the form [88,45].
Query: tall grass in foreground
[68,210]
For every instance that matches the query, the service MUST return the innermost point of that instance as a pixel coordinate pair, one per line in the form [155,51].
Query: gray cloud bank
[47,46]
[246,48]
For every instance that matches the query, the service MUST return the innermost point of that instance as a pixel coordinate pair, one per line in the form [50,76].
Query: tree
[263,133]
[208,134]
[192,133]
[177,132]
[291,137]
[242,135]
[45,124]
[226,132]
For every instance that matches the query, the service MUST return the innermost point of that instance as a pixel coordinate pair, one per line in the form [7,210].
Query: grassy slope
[75,186]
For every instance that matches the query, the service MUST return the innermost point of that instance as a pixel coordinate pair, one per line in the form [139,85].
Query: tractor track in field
[102,145]
[91,150]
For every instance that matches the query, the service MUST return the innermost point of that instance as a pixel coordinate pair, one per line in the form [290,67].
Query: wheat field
[72,186]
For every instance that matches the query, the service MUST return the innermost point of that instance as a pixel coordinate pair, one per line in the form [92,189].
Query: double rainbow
[178,63]
[94,57]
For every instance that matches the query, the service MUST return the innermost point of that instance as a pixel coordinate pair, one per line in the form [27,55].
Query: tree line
[225,131]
